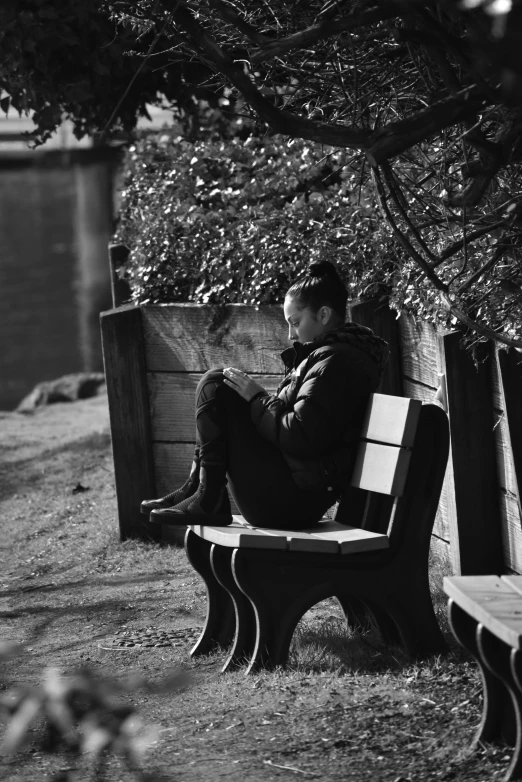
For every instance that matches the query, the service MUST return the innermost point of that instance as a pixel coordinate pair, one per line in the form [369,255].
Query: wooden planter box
[154,357]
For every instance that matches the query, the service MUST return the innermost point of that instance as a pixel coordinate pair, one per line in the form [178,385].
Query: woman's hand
[241,382]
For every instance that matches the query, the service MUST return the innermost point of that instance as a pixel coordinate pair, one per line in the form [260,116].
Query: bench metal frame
[257,596]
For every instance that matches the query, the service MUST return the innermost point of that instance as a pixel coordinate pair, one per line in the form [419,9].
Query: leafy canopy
[426,96]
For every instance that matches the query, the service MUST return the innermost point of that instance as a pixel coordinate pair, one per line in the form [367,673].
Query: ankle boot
[209,505]
[187,490]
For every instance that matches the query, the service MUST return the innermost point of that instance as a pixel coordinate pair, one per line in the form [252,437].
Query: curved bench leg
[359,614]
[402,613]
[496,702]
[515,767]
[220,621]
[356,612]
[279,595]
[388,629]
[424,634]
[245,620]
[504,662]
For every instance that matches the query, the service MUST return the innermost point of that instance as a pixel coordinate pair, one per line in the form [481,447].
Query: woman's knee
[208,384]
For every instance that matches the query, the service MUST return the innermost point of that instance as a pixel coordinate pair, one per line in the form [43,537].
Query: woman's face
[304,325]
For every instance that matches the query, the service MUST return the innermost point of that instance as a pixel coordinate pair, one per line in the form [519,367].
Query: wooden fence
[479,515]
[155,356]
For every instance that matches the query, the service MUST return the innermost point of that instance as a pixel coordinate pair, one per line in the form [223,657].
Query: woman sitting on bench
[286,456]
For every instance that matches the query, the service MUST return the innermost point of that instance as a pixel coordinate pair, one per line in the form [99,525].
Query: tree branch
[474,326]
[456,246]
[403,239]
[331,27]
[279,120]
[379,145]
[396,137]
[497,255]
[399,200]
[229,14]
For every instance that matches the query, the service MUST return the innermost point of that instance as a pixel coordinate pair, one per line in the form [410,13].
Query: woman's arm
[328,408]
[239,381]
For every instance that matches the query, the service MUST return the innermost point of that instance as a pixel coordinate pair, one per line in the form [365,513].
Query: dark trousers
[259,478]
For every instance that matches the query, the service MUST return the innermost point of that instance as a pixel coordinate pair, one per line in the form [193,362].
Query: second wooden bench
[485,614]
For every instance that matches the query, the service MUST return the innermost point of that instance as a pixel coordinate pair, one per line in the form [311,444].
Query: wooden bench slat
[306,541]
[492,602]
[239,536]
[515,582]
[392,420]
[352,539]
[381,468]
[332,537]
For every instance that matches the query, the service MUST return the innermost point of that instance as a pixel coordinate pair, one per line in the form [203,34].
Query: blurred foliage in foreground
[82,716]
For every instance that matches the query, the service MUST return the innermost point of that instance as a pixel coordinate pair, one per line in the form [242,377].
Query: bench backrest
[387,436]
[399,470]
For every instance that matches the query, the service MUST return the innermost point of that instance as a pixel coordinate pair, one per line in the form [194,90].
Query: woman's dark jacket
[318,410]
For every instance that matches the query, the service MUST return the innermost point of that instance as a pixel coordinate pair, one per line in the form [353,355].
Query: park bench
[485,614]
[373,557]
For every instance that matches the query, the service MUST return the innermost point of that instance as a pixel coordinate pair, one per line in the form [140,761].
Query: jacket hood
[359,337]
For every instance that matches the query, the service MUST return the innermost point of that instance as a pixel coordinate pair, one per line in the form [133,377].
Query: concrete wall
[55,225]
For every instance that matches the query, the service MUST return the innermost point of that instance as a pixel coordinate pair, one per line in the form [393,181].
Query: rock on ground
[69,388]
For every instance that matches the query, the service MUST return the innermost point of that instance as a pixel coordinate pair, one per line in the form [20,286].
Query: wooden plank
[476,537]
[305,541]
[124,359]
[172,463]
[440,561]
[171,402]
[414,390]
[421,351]
[510,366]
[509,505]
[492,602]
[496,392]
[514,582]
[377,316]
[334,538]
[511,532]
[391,419]
[351,539]
[505,468]
[239,536]
[446,517]
[381,468]
[196,338]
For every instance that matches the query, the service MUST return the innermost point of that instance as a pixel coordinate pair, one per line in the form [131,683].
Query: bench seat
[485,614]
[327,537]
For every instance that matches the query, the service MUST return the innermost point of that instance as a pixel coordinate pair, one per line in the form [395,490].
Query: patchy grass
[347,706]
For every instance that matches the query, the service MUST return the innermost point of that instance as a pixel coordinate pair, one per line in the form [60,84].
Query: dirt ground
[346,708]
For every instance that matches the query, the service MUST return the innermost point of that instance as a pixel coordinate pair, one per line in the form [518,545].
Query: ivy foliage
[233,220]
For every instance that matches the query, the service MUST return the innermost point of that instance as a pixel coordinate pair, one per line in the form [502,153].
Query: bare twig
[138,71]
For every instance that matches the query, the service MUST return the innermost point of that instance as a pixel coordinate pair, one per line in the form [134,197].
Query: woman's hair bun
[323,269]
[319,286]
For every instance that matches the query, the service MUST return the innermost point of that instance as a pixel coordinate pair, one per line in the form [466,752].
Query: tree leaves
[233,220]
